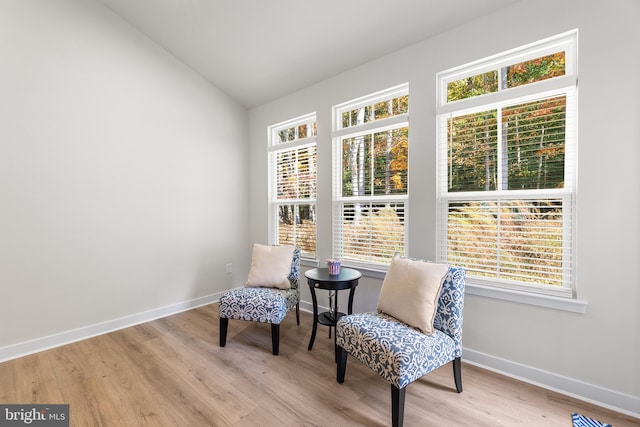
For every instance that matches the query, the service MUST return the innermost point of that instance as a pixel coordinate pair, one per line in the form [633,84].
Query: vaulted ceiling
[259,50]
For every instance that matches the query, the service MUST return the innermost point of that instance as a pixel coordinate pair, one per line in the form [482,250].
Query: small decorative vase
[334,267]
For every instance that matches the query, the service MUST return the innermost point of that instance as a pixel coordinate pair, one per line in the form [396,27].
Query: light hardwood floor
[171,372]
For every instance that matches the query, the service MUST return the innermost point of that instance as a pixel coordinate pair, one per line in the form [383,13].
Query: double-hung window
[370,163]
[292,187]
[507,167]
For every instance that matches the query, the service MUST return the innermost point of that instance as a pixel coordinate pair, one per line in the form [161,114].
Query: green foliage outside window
[534,70]
[377,111]
[532,147]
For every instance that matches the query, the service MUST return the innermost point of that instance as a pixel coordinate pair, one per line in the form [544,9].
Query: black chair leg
[457,373]
[298,313]
[342,363]
[224,324]
[275,338]
[397,405]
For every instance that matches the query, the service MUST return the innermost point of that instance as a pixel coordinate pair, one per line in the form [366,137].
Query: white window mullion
[502,159]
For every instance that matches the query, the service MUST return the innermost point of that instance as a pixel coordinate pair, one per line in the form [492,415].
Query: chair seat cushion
[394,350]
[267,305]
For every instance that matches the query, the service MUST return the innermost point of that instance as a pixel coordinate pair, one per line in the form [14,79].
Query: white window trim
[566,298]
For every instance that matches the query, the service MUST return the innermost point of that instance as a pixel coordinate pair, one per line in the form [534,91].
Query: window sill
[367,271]
[556,303]
[553,302]
[309,262]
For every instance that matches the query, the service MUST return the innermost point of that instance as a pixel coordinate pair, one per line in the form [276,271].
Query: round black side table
[319,278]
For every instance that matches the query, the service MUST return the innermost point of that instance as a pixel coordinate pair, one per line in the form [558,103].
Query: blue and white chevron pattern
[582,421]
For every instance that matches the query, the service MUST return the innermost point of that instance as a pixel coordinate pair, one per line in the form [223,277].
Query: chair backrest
[448,318]
[294,274]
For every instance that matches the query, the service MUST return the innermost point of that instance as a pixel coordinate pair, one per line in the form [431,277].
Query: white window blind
[507,168]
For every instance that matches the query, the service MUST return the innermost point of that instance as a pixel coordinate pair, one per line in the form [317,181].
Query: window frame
[341,133]
[274,148]
[502,98]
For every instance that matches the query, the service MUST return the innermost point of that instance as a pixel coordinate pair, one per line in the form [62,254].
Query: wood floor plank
[29,379]
[172,372]
[202,378]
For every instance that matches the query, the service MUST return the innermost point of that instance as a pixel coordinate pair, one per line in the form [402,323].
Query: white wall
[593,355]
[123,190]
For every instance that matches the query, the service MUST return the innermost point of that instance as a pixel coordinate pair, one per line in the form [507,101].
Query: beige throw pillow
[410,292]
[270,266]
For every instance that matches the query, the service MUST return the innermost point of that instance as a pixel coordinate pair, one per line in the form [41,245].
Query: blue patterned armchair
[262,304]
[400,353]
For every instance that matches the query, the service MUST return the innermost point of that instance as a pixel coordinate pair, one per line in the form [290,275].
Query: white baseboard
[616,401]
[597,395]
[39,344]
[307,306]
